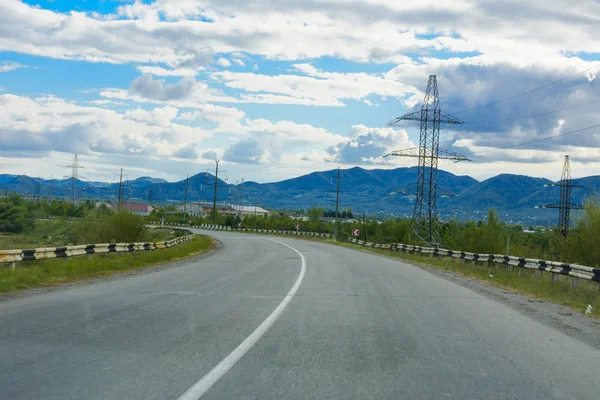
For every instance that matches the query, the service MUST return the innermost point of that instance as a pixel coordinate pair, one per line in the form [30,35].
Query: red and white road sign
[298,227]
[239,224]
[355,232]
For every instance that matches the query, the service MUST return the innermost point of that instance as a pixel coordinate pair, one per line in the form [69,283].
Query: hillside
[375,191]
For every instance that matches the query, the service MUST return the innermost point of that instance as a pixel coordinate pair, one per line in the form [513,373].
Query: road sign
[298,227]
[356,232]
[239,224]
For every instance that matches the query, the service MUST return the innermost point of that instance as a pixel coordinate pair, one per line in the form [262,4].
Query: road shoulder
[119,275]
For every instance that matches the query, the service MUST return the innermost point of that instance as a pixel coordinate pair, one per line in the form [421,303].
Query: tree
[14,215]
[13,219]
[315,213]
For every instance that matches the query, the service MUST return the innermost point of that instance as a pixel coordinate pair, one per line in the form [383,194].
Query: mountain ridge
[377,191]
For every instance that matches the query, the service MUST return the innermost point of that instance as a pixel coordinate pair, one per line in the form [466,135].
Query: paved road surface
[359,326]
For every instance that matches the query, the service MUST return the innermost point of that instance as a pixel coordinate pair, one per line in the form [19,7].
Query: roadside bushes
[14,215]
[582,245]
[477,237]
[121,227]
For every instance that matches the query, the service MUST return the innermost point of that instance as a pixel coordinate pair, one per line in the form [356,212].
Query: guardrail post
[538,274]
[554,277]
[509,267]
[521,271]
[574,282]
[13,265]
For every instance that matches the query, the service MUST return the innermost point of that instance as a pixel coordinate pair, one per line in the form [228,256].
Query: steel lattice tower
[74,176]
[425,219]
[564,205]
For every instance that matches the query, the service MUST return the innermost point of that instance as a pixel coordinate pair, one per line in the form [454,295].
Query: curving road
[261,320]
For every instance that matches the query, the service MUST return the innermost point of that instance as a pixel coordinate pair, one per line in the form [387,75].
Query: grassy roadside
[35,274]
[558,292]
[60,232]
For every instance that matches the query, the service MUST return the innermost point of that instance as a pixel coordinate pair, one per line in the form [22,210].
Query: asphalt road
[251,322]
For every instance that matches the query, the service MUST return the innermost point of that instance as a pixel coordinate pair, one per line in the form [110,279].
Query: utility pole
[120,190]
[242,198]
[337,203]
[425,219]
[364,228]
[564,205]
[185,198]
[214,213]
[215,185]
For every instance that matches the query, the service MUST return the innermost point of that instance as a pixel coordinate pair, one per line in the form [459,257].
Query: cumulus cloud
[480,51]
[145,86]
[210,155]
[470,90]
[47,124]
[314,87]
[247,151]
[369,145]
[172,32]
[158,116]
[189,151]
[223,62]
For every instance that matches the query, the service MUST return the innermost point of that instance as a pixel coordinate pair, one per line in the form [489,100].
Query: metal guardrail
[12,256]
[559,268]
[228,228]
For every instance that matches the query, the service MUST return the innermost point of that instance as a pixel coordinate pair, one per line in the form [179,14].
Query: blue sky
[276,90]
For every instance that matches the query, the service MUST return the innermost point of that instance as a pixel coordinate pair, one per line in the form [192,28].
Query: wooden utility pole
[185,198]
[120,190]
[337,203]
[214,213]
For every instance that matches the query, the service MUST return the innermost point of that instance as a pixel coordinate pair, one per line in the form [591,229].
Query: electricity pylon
[74,175]
[564,205]
[425,218]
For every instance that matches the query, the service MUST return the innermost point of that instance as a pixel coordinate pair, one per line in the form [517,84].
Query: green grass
[59,233]
[43,234]
[35,274]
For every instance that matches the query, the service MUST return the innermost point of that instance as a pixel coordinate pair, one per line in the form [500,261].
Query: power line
[527,92]
[540,114]
[537,140]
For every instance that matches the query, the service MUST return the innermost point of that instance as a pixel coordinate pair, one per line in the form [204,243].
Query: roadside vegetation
[21,228]
[52,272]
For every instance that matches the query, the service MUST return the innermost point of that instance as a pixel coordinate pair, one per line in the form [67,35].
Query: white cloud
[158,116]
[223,62]
[42,125]
[239,62]
[369,145]
[316,87]
[160,71]
[174,32]
[8,66]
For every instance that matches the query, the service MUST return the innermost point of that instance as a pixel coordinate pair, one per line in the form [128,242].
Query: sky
[280,88]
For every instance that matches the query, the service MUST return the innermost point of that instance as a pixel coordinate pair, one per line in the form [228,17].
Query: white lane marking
[200,387]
